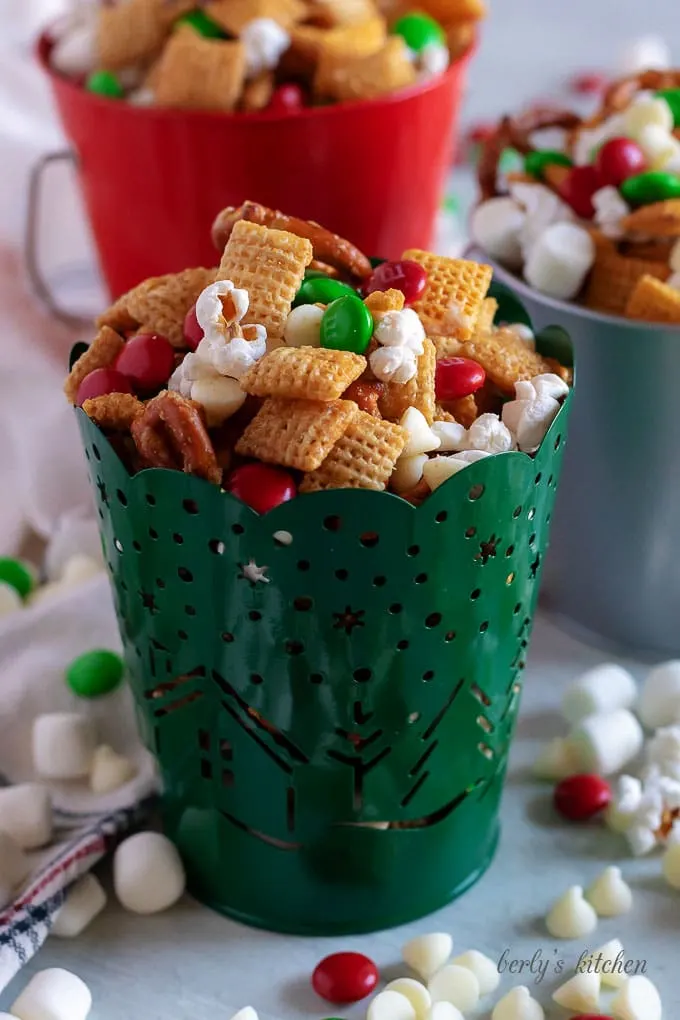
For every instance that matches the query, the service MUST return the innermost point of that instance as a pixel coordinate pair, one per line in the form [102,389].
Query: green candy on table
[96,673]
[536,162]
[418,31]
[321,290]
[105,83]
[18,575]
[201,23]
[651,186]
[347,325]
[672,97]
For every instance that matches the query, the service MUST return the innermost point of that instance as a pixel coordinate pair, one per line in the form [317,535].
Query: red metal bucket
[154,179]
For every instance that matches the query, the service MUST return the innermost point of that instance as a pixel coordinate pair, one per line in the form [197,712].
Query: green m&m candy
[321,290]
[536,162]
[105,83]
[95,673]
[17,575]
[347,325]
[419,30]
[652,186]
[672,97]
[201,23]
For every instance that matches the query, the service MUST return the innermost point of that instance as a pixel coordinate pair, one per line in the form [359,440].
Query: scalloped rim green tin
[373,681]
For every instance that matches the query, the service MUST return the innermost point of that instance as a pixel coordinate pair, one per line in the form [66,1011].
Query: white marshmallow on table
[394,364]
[26,814]
[606,743]
[638,999]
[10,599]
[421,438]
[571,916]
[488,434]
[610,208]
[556,760]
[644,53]
[14,868]
[603,688]
[659,701]
[53,994]
[407,472]
[84,901]
[426,954]
[390,1006]
[609,894]
[444,1011]
[148,874]
[219,396]
[439,469]
[457,985]
[303,326]
[110,770]
[484,969]
[63,745]
[452,436]
[264,41]
[495,226]
[559,260]
[518,1004]
[608,962]
[580,993]
[401,329]
[416,993]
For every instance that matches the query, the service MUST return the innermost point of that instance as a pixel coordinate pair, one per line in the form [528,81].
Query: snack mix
[248,55]
[297,366]
[596,220]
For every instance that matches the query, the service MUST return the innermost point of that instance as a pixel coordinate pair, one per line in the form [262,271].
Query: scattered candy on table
[148,874]
[580,797]
[85,900]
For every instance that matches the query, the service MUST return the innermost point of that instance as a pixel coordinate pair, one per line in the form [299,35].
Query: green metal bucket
[322,733]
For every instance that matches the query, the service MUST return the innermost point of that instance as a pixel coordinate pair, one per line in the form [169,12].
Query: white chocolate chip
[426,954]
[645,112]
[148,874]
[26,814]
[247,1013]
[444,1011]
[580,993]
[606,743]
[407,472]
[452,436]
[608,962]
[219,396]
[571,916]
[671,865]
[303,326]
[559,260]
[416,993]
[496,225]
[421,438]
[110,770]
[390,1006]
[84,901]
[53,994]
[63,745]
[456,985]
[609,894]
[604,688]
[556,760]
[518,1004]
[484,969]
[638,999]
[659,703]
[439,469]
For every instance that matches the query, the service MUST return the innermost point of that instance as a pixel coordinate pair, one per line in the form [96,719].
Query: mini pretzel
[515,133]
[171,433]
[328,247]
[619,94]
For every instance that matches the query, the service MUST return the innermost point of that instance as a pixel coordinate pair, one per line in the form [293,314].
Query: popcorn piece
[303,326]
[296,433]
[53,994]
[421,438]
[663,751]
[571,916]
[496,226]
[308,373]
[26,814]
[484,969]
[490,435]
[603,688]
[390,1006]
[610,210]
[556,761]
[218,308]
[14,867]
[559,260]
[418,392]
[148,874]
[439,469]
[529,420]
[408,471]
[219,396]
[457,985]
[609,894]
[10,599]
[638,999]
[451,435]
[401,329]
[416,993]
[84,901]
[63,745]
[518,1004]
[394,364]
[608,962]
[110,770]
[627,796]
[264,41]
[580,993]
[605,744]
[659,703]
[426,954]
[101,353]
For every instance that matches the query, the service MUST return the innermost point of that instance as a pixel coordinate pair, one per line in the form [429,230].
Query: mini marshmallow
[26,814]
[394,364]
[580,993]
[659,702]
[10,599]
[608,962]
[110,770]
[433,59]
[63,745]
[647,52]
[416,993]
[610,209]
[426,954]
[518,1004]
[605,744]
[219,396]
[148,874]
[571,916]
[557,760]
[401,329]
[264,41]
[303,326]
[529,420]
[407,472]
[484,969]
[543,209]
[451,435]
[444,1011]
[439,469]
[53,994]
[638,999]
[14,867]
[84,901]
[495,225]
[421,439]
[488,434]
[560,259]
[645,112]
[390,1006]
[457,985]
[609,895]
[603,688]
[671,865]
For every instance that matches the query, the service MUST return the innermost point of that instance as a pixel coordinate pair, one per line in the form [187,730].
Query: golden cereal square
[654,301]
[296,433]
[310,373]
[363,458]
[452,300]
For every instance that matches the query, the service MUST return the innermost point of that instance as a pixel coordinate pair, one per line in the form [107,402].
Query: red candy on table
[590,83]
[344,977]
[458,377]
[581,797]
[407,276]
[193,334]
[287,98]
[619,159]
[577,190]
[260,486]
[100,382]
[148,361]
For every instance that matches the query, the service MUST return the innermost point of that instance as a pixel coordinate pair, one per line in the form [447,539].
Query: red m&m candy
[101,382]
[619,159]
[407,276]
[577,190]
[345,977]
[261,487]
[147,360]
[458,377]
[287,98]
[193,334]
[582,796]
